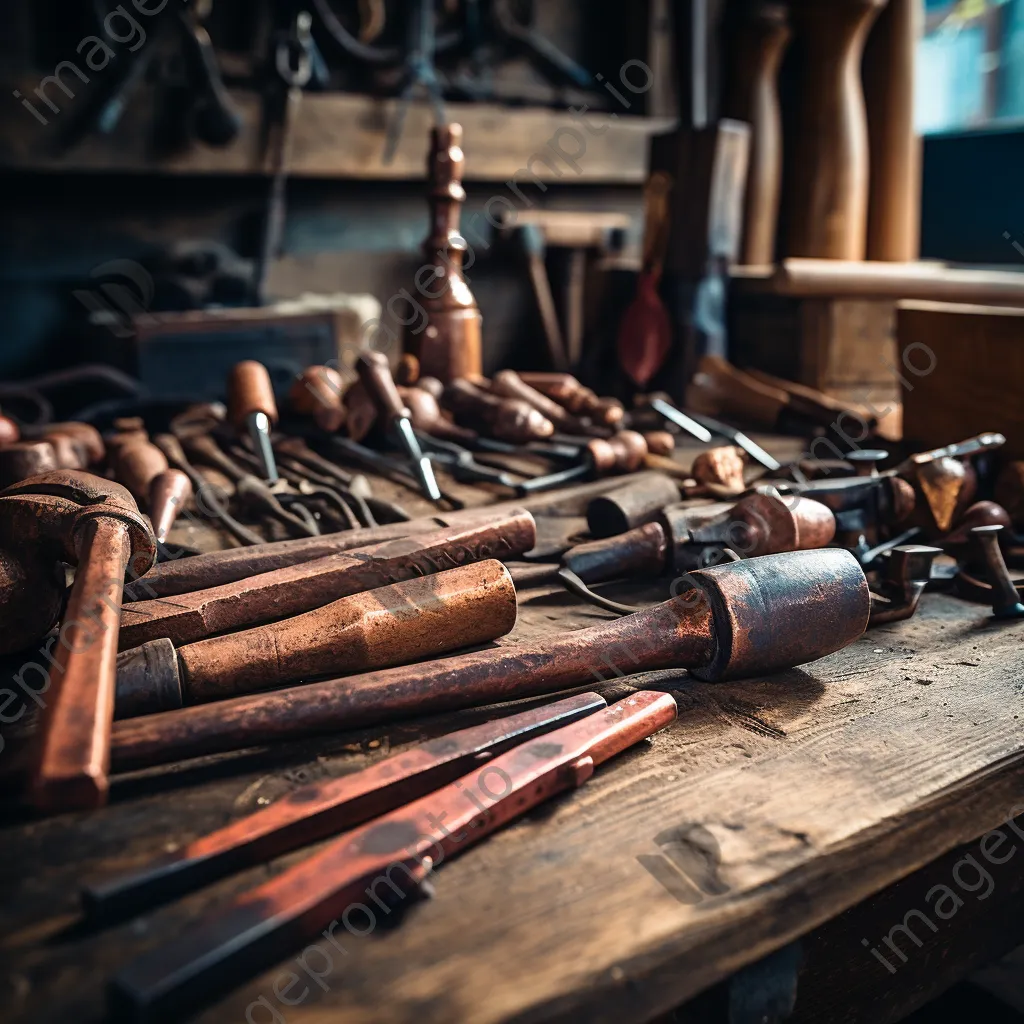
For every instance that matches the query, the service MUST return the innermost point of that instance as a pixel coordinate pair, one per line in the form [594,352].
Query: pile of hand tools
[337,610]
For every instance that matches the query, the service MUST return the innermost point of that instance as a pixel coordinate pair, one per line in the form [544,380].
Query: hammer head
[48,510]
[782,610]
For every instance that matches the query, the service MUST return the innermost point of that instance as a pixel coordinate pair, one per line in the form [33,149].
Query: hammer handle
[292,590]
[74,752]
[676,633]
[403,622]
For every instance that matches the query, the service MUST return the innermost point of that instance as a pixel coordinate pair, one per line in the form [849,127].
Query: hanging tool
[257,928]
[420,72]
[645,334]
[293,61]
[375,374]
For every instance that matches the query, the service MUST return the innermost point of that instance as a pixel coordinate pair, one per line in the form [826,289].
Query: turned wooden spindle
[828,201]
[894,209]
[762,33]
[449,346]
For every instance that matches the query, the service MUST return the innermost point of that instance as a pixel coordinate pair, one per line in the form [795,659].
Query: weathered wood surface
[769,807]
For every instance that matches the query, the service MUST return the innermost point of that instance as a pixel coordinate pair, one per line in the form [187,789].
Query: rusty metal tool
[622,453]
[22,459]
[294,589]
[681,420]
[253,408]
[215,568]
[316,812]
[1005,596]
[249,488]
[95,525]
[865,461]
[461,465]
[209,500]
[907,572]
[375,374]
[417,618]
[729,621]
[632,505]
[259,926]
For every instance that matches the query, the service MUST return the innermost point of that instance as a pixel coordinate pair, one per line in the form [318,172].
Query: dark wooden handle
[403,622]
[638,553]
[250,390]
[375,373]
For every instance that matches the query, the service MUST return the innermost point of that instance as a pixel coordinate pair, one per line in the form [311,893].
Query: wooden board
[962,372]
[340,135]
[771,806]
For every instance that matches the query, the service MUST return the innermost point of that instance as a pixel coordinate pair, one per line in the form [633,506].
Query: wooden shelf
[339,135]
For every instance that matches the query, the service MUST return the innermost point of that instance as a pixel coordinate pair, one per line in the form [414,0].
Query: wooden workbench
[770,808]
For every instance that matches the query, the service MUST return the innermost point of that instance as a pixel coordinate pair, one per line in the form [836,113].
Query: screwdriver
[375,374]
[251,406]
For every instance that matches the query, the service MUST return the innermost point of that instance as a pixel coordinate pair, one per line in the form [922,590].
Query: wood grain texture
[753,97]
[977,355]
[785,800]
[894,207]
[828,176]
[338,135]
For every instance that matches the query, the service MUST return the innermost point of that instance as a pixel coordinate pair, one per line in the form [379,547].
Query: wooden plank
[341,135]
[962,372]
[778,802]
[876,279]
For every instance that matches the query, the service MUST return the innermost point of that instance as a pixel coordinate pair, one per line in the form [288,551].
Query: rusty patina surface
[300,588]
[94,524]
[734,623]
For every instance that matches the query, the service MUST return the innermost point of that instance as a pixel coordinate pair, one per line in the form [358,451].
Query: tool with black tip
[375,374]
[258,927]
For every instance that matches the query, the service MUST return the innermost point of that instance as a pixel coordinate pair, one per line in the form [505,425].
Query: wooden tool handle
[74,746]
[403,622]
[317,392]
[325,808]
[375,373]
[761,615]
[639,502]
[259,927]
[294,589]
[509,418]
[509,384]
[137,466]
[636,553]
[250,390]
[427,416]
[719,389]
[85,433]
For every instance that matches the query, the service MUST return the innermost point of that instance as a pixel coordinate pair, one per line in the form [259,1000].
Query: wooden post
[828,204]
[753,96]
[894,211]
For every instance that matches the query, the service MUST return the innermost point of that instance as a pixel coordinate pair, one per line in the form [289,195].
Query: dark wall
[973,197]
